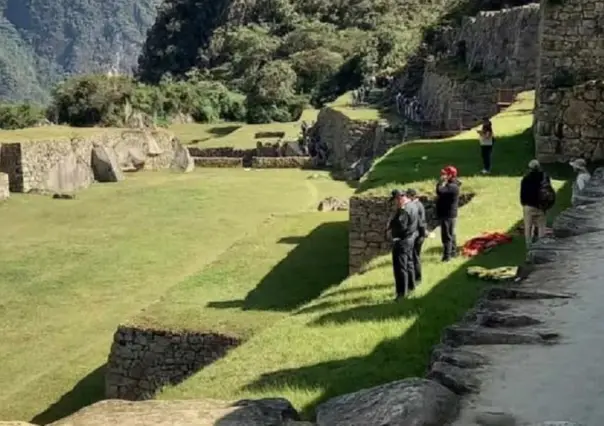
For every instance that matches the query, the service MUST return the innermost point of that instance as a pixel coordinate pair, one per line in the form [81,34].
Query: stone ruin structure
[569,115]
[65,166]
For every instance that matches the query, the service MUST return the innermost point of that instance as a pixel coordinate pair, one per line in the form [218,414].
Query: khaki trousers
[533,218]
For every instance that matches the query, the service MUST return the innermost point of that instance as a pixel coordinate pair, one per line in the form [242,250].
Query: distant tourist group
[409,108]
[408,228]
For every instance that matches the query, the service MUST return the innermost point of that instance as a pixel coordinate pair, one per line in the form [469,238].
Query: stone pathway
[532,353]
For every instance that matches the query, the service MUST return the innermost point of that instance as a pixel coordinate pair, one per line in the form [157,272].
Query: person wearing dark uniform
[422,232]
[447,203]
[403,229]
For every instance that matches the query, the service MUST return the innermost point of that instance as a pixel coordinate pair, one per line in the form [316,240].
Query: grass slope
[353,336]
[70,271]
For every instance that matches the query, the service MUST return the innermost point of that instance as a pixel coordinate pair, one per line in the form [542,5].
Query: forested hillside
[42,41]
[322,46]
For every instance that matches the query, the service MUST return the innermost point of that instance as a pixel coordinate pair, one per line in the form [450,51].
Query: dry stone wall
[571,122]
[64,165]
[572,53]
[369,216]
[502,46]
[221,152]
[282,162]
[143,361]
[218,161]
[501,43]
[350,140]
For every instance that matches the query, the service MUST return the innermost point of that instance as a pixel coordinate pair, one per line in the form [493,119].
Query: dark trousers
[486,151]
[417,257]
[448,237]
[402,266]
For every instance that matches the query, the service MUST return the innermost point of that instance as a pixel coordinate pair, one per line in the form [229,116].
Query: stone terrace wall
[30,164]
[218,161]
[504,44]
[369,216]
[571,123]
[40,157]
[196,151]
[143,361]
[282,162]
[572,52]
[350,140]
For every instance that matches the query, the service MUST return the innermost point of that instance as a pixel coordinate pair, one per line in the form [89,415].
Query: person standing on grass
[403,230]
[422,232]
[486,144]
[447,204]
[536,197]
[580,166]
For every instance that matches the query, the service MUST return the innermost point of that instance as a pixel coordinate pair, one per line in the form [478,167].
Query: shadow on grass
[319,261]
[222,131]
[407,355]
[87,391]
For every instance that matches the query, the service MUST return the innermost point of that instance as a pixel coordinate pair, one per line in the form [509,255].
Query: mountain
[44,41]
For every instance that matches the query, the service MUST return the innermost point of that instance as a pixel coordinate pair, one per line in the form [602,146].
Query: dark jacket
[403,224]
[530,187]
[447,199]
[422,225]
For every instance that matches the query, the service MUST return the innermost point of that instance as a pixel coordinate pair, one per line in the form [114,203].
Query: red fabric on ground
[486,241]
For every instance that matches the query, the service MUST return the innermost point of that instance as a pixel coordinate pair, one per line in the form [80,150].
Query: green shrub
[19,116]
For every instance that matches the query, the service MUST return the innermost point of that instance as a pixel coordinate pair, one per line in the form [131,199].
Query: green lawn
[353,336]
[48,133]
[244,253]
[71,271]
[238,135]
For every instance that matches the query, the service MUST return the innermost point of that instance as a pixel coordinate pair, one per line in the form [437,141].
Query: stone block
[4,187]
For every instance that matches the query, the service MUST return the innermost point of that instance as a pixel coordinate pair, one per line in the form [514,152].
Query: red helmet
[449,171]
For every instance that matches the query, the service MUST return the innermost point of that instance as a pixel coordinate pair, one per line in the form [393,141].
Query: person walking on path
[403,230]
[536,197]
[422,232]
[580,166]
[486,145]
[447,204]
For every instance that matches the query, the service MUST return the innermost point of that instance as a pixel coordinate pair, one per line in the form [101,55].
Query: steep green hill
[327,45]
[45,40]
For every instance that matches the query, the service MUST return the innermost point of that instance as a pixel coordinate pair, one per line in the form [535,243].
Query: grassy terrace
[351,336]
[242,253]
[71,271]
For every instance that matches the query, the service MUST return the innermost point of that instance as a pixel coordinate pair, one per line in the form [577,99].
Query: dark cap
[395,194]
[411,193]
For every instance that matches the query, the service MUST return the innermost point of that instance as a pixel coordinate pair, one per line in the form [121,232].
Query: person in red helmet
[447,204]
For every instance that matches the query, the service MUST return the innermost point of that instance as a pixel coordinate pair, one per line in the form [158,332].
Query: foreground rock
[262,412]
[416,402]
[182,162]
[105,165]
[332,204]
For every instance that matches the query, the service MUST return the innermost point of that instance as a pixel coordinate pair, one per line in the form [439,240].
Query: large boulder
[332,204]
[182,161]
[68,176]
[262,412]
[153,148]
[105,165]
[417,402]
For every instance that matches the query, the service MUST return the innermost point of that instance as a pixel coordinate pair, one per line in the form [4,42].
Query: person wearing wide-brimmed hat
[580,166]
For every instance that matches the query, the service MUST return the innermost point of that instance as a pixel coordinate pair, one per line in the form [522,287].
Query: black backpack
[547,195]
